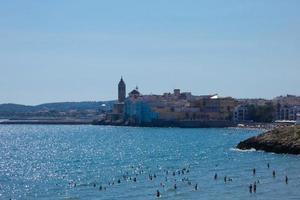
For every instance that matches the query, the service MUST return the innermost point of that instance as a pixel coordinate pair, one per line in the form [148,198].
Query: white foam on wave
[243,150]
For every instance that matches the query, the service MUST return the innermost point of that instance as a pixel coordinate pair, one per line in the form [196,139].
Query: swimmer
[157,193]
[254,187]
[150,177]
[254,171]
[216,176]
[286,180]
[250,188]
[175,186]
[274,173]
[196,186]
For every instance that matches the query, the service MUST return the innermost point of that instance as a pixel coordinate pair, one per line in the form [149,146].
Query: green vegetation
[261,113]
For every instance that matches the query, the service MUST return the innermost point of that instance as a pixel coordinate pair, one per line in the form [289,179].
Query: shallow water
[45,162]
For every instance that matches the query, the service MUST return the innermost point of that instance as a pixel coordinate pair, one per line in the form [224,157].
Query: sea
[117,163]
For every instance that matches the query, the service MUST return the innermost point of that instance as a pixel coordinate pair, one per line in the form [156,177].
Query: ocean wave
[242,150]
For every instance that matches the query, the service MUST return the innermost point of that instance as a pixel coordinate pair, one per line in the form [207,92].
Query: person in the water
[157,193]
[196,186]
[216,176]
[150,177]
[254,187]
[274,173]
[175,187]
[250,188]
[268,165]
[254,171]
[225,179]
[286,180]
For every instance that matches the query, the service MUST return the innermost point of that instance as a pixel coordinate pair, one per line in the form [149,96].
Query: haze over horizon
[58,51]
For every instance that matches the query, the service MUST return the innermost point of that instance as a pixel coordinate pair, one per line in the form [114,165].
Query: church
[118,111]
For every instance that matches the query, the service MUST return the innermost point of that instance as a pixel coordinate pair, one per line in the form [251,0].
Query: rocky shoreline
[279,140]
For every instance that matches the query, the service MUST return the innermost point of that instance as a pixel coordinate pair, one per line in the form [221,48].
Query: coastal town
[170,109]
[183,109]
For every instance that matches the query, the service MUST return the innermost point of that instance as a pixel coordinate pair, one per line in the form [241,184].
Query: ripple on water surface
[86,162]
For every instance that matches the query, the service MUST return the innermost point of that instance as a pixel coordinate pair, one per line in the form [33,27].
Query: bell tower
[121,91]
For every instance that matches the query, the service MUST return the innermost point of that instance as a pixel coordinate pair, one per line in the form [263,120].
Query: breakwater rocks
[279,140]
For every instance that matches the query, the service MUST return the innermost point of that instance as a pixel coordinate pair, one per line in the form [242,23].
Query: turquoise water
[72,162]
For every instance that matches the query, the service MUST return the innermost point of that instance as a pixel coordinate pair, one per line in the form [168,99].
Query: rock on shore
[279,140]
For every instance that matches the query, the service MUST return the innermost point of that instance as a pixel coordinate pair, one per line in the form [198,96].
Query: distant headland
[171,109]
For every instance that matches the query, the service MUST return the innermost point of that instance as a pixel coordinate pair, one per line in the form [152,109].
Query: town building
[288,100]
[298,119]
[140,109]
[177,106]
[121,91]
[288,112]
[117,113]
[240,113]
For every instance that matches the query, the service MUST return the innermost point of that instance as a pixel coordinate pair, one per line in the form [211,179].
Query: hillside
[15,110]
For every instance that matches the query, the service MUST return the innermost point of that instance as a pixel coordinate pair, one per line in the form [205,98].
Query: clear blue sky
[56,50]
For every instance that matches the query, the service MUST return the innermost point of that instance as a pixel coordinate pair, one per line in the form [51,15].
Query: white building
[288,113]
[240,113]
[298,119]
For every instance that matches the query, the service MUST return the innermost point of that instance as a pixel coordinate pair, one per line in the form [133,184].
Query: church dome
[134,93]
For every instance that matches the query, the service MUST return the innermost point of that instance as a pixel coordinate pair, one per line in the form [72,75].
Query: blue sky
[59,50]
